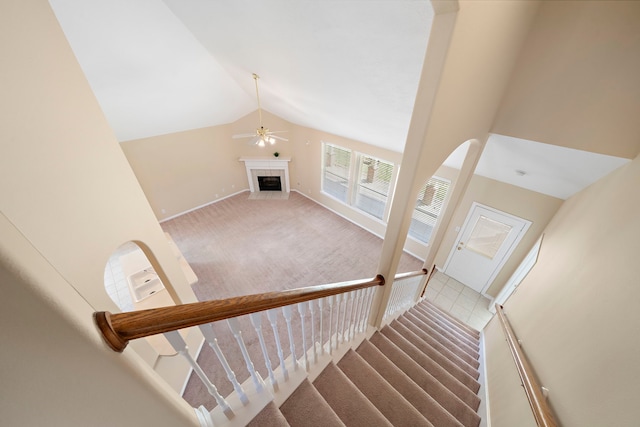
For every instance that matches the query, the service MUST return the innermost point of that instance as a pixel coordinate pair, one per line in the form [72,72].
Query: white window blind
[335,171]
[372,187]
[428,208]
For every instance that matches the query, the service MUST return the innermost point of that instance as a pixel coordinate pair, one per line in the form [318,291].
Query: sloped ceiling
[349,68]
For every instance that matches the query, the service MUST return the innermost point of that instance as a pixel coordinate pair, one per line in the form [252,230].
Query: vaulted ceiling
[349,68]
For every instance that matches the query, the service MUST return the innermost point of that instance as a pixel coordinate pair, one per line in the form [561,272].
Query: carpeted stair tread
[437,346]
[459,389]
[423,402]
[270,416]
[450,328]
[387,399]
[428,327]
[429,305]
[445,397]
[353,408]
[438,358]
[448,322]
[443,332]
[307,407]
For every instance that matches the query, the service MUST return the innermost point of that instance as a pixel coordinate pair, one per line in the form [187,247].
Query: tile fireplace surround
[267,166]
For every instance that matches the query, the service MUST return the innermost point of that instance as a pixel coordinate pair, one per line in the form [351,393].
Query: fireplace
[269,183]
[272,169]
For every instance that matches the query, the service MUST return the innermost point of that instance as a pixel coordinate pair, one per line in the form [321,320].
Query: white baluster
[338,305]
[344,315]
[302,311]
[369,299]
[234,325]
[356,326]
[312,310]
[330,303]
[178,344]
[352,314]
[348,305]
[321,307]
[272,315]
[256,321]
[209,335]
[286,312]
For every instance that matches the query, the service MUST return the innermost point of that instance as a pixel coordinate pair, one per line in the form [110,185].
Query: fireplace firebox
[269,183]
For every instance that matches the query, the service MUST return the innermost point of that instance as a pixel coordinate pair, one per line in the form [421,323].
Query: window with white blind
[371,189]
[335,171]
[428,207]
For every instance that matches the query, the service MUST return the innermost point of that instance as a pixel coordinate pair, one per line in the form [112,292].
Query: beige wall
[576,312]
[535,207]
[575,83]
[68,193]
[185,170]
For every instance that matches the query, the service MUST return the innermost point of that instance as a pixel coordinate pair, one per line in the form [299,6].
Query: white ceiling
[548,169]
[348,67]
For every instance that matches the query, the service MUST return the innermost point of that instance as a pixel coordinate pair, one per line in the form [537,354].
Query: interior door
[485,242]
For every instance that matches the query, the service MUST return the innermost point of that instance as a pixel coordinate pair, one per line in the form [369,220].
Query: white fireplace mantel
[279,165]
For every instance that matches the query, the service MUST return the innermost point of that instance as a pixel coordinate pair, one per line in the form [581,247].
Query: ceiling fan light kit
[262,135]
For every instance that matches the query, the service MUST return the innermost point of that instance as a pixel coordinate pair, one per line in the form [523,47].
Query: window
[358,180]
[372,186]
[335,171]
[428,206]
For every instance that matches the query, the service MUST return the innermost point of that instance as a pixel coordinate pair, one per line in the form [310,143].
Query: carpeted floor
[240,246]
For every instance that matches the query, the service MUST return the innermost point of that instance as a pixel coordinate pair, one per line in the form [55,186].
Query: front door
[487,239]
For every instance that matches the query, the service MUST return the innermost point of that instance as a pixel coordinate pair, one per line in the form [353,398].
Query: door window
[487,236]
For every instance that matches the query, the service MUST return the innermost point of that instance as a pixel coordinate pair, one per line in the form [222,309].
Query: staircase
[420,370]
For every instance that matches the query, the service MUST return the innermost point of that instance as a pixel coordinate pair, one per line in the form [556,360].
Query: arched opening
[129,276]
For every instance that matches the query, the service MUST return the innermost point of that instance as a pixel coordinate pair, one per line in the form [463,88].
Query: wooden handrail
[119,328]
[541,410]
[416,273]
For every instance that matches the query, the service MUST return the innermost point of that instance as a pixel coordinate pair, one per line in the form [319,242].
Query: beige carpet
[389,380]
[240,246]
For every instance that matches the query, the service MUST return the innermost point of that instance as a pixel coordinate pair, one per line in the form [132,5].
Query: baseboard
[484,409]
[201,206]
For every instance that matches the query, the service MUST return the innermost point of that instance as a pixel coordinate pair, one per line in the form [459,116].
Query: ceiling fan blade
[243,135]
[279,138]
[277,131]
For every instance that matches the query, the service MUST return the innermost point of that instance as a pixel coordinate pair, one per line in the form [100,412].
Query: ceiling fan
[262,136]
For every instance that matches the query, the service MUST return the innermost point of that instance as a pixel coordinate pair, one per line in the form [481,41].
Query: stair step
[438,358]
[453,329]
[423,402]
[427,327]
[444,351]
[379,392]
[445,397]
[463,392]
[307,407]
[270,416]
[443,332]
[353,408]
[428,304]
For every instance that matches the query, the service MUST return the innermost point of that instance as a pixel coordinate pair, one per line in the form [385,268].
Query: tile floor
[114,281]
[460,301]
[269,195]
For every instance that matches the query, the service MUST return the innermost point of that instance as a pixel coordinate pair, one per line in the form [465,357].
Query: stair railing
[319,321]
[541,411]
[404,293]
